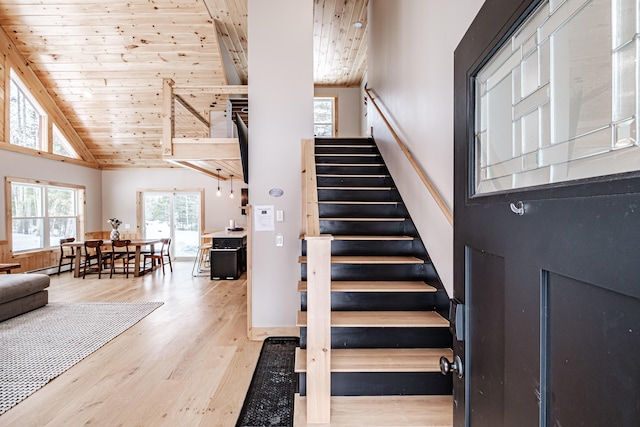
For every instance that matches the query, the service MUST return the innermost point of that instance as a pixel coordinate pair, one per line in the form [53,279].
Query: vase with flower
[115,223]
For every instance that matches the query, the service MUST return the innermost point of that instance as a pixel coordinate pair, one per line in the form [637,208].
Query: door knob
[448,367]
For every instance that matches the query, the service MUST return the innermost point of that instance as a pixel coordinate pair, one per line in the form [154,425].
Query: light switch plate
[279,239]
[279,215]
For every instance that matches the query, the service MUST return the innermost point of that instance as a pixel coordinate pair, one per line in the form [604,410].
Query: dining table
[139,269]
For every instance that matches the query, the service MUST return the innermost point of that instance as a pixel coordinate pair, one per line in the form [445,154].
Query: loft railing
[318,295]
[190,125]
[444,208]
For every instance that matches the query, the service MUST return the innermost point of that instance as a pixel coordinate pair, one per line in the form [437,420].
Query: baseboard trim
[259,334]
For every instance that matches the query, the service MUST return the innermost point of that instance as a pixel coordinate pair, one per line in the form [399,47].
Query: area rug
[38,346]
[269,401]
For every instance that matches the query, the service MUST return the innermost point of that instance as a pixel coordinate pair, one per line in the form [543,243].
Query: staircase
[388,307]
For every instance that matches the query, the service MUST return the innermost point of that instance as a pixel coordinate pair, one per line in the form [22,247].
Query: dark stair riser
[362,228]
[379,301]
[343,141]
[340,272]
[381,337]
[369,247]
[369,195]
[351,170]
[360,181]
[346,149]
[339,210]
[348,159]
[385,383]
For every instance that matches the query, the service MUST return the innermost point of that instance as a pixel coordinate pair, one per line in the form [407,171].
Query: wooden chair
[120,254]
[67,253]
[93,252]
[201,263]
[161,255]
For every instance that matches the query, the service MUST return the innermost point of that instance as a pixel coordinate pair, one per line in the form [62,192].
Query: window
[324,116]
[27,119]
[60,144]
[42,214]
[559,100]
[28,123]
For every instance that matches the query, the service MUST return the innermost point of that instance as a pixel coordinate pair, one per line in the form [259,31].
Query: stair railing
[318,295]
[416,166]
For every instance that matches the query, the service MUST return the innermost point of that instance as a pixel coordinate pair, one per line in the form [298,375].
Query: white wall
[350,106]
[410,67]
[120,187]
[18,165]
[281,105]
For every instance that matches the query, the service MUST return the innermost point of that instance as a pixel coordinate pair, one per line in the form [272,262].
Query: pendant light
[231,179]
[219,192]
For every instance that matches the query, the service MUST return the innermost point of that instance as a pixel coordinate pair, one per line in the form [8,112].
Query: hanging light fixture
[231,179]
[219,192]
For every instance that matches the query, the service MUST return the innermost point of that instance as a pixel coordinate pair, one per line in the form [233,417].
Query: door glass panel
[561,93]
[157,215]
[187,224]
[174,215]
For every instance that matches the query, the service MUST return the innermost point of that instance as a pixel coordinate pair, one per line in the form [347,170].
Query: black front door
[549,274]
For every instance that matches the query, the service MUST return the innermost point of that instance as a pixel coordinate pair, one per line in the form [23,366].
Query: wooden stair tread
[382,411]
[353,237]
[387,219]
[380,359]
[355,259]
[374,286]
[382,319]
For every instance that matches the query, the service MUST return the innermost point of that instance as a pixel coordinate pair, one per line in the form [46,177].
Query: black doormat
[269,401]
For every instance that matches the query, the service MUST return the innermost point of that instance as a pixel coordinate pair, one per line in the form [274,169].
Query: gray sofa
[20,293]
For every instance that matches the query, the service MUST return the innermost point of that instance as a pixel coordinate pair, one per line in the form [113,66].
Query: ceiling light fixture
[231,178]
[218,193]
[358,24]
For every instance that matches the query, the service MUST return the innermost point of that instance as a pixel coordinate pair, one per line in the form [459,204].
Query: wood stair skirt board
[381,319]
[382,411]
[380,360]
[374,286]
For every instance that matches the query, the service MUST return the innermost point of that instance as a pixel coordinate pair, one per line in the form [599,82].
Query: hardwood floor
[188,363]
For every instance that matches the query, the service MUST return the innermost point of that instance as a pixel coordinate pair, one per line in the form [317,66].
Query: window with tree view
[324,116]
[43,214]
[26,116]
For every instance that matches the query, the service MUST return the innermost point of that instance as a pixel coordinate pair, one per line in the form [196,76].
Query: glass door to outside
[175,215]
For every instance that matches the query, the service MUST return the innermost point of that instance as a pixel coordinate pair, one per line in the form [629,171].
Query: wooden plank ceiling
[103,62]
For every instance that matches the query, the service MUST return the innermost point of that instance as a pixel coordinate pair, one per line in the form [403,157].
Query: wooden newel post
[319,329]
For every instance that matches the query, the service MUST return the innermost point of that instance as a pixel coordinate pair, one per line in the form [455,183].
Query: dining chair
[121,254]
[160,255]
[67,253]
[93,252]
[201,263]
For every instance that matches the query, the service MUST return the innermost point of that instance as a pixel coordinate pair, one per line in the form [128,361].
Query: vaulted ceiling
[103,61]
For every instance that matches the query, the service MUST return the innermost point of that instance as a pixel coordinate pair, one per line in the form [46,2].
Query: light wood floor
[188,363]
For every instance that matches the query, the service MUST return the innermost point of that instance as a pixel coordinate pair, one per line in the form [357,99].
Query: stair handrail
[444,208]
[318,372]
